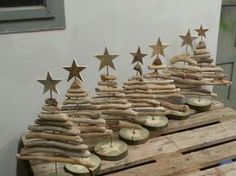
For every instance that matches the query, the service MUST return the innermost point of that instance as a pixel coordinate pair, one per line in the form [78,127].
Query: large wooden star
[74,70]
[158,48]
[187,39]
[201,32]
[106,59]
[49,84]
[138,56]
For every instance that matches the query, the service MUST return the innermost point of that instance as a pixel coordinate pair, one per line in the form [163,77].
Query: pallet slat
[184,141]
[184,164]
[224,170]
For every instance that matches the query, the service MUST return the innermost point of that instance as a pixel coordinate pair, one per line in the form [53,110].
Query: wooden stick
[199,93]
[67,125]
[148,101]
[97,134]
[183,58]
[201,52]
[147,87]
[108,83]
[213,75]
[177,107]
[115,106]
[115,112]
[108,101]
[157,67]
[71,90]
[203,60]
[124,124]
[71,160]
[75,102]
[105,77]
[211,69]
[202,56]
[218,82]
[151,91]
[156,75]
[188,81]
[61,145]
[54,117]
[77,95]
[183,75]
[88,121]
[40,128]
[105,89]
[159,82]
[88,129]
[109,95]
[156,96]
[54,137]
[51,108]
[61,152]
[184,67]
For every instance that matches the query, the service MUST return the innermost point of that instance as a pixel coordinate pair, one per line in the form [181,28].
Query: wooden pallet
[192,147]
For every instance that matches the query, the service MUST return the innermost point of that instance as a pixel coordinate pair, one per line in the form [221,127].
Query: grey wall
[121,25]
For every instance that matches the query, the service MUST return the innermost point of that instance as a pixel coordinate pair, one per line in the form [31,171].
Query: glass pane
[20,3]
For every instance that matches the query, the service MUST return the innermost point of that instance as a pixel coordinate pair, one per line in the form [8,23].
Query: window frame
[50,16]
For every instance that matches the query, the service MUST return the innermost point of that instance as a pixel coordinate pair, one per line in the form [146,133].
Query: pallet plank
[184,141]
[184,164]
[224,170]
[198,120]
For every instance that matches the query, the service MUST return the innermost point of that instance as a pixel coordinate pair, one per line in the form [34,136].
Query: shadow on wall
[8,160]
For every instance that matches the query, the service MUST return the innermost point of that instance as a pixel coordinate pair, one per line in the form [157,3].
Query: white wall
[122,25]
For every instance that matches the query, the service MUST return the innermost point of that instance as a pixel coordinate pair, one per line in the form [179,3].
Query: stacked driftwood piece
[53,138]
[77,105]
[186,74]
[211,74]
[168,95]
[112,104]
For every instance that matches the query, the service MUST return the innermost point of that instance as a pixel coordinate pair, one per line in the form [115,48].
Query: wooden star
[187,39]
[138,56]
[201,32]
[49,84]
[158,48]
[106,60]
[74,70]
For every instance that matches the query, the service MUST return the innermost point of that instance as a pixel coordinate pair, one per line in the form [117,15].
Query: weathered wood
[186,163]
[71,160]
[183,141]
[55,137]
[224,170]
[61,145]
[42,128]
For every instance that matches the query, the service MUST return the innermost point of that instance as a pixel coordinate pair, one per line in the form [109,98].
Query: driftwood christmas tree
[53,138]
[111,104]
[211,74]
[142,98]
[186,74]
[168,95]
[131,135]
[85,115]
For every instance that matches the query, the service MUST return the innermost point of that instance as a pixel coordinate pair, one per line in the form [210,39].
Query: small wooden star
[187,39]
[138,56]
[158,48]
[201,32]
[106,59]
[74,70]
[49,83]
